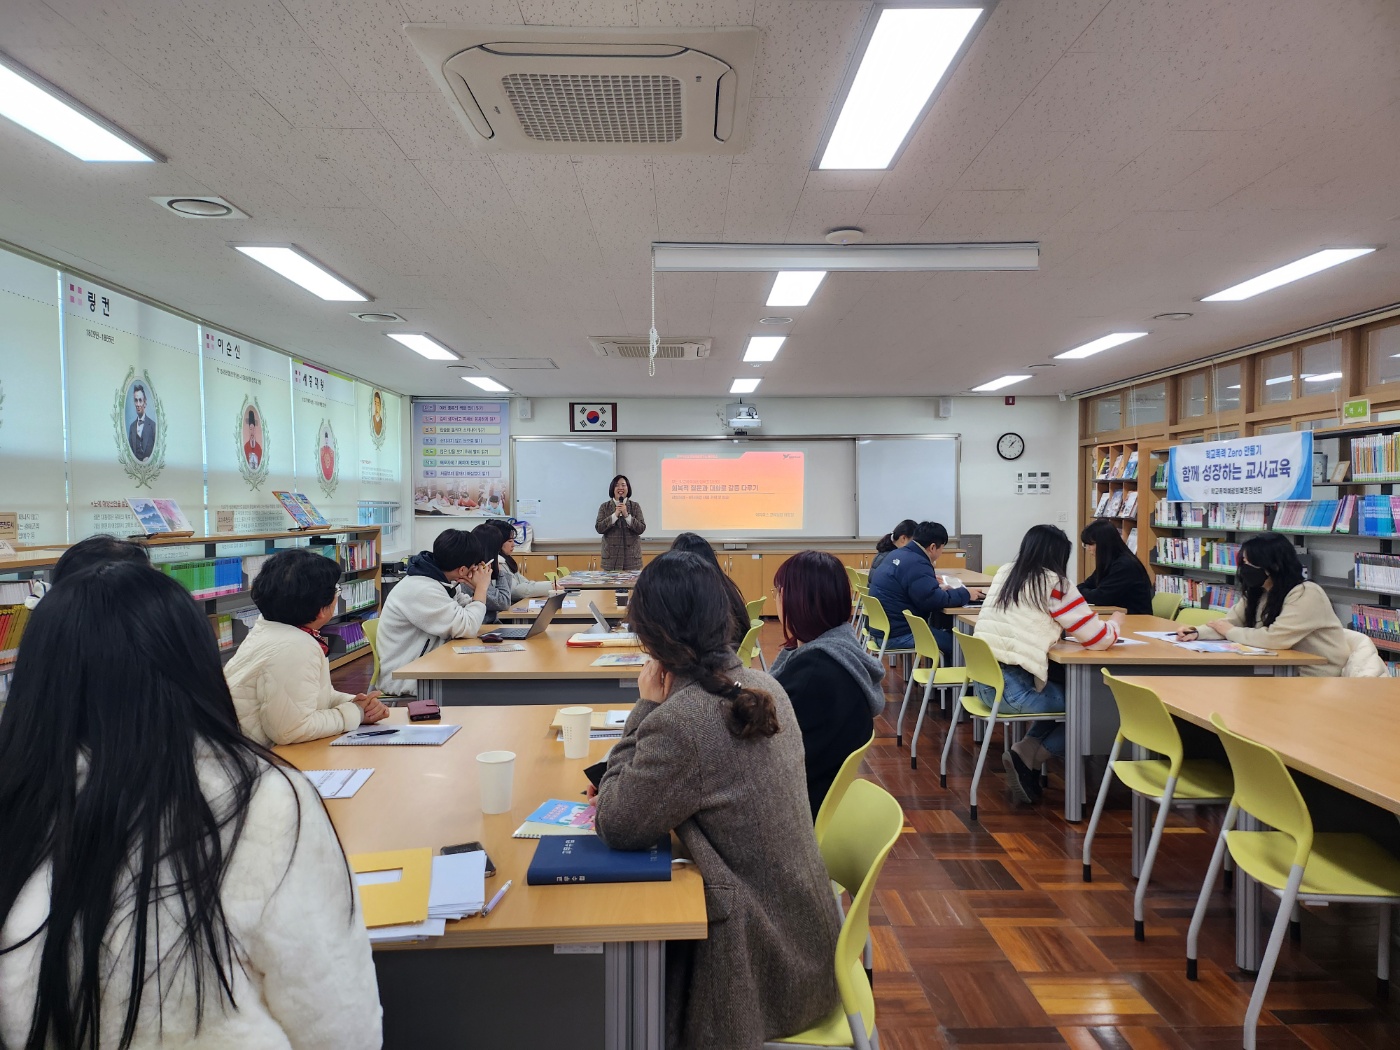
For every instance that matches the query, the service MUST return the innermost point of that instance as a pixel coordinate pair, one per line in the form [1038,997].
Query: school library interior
[753,524]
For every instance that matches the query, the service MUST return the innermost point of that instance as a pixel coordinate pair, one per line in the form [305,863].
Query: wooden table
[605,600]
[1312,724]
[496,980]
[1091,717]
[595,580]
[968,577]
[547,672]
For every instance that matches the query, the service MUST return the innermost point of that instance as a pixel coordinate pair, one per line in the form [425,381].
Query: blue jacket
[906,580]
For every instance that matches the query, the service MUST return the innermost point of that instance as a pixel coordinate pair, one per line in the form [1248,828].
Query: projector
[743,417]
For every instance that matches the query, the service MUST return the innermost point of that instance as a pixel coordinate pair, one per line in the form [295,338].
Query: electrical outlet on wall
[1062,518]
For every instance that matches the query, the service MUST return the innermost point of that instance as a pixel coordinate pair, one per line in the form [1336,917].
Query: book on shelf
[1200,594]
[1224,557]
[1253,517]
[1129,508]
[1102,505]
[1159,476]
[1378,622]
[302,510]
[1345,512]
[158,517]
[1377,572]
[1101,470]
[1317,516]
[1115,503]
[1130,469]
[1116,473]
[13,619]
[1375,457]
[1133,539]
[1377,518]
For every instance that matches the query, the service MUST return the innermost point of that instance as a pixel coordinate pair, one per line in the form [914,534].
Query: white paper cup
[497,769]
[577,723]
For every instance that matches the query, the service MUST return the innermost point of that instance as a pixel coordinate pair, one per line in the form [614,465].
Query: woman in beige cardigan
[621,524]
[713,751]
[1279,610]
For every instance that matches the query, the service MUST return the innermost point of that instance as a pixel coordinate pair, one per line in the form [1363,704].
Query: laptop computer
[541,621]
[601,620]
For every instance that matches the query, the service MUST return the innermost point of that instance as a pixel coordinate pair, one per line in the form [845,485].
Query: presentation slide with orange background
[714,492]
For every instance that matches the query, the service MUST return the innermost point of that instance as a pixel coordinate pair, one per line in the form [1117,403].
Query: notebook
[573,860]
[621,660]
[588,641]
[402,736]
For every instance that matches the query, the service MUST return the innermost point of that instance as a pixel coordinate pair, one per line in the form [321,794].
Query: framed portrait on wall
[593,416]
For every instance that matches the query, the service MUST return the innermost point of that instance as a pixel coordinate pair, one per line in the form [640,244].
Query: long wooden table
[547,672]
[1312,724]
[498,980]
[1091,717]
[522,612]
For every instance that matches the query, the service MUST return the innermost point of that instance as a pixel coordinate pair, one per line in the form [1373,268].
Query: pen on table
[377,732]
[497,898]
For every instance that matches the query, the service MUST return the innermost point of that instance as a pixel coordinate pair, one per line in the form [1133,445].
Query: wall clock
[1010,446]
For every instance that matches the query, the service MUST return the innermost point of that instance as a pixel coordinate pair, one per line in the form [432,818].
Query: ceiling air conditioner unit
[551,89]
[636,348]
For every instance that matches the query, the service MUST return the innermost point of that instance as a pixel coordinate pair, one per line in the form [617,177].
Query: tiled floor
[986,936]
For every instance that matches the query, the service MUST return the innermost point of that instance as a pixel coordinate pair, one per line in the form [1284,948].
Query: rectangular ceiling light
[425,345]
[1099,345]
[794,287]
[908,52]
[744,386]
[1304,267]
[764,347]
[997,384]
[35,104]
[487,383]
[743,258]
[301,269]
[1322,377]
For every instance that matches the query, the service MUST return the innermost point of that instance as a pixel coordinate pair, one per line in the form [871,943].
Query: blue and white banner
[1268,468]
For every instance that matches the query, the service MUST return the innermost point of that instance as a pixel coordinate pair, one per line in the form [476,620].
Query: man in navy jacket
[906,580]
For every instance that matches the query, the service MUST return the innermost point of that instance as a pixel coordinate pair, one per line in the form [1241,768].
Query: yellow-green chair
[1165,604]
[982,668]
[749,648]
[1196,617]
[755,608]
[990,570]
[932,677]
[863,829]
[1171,780]
[858,589]
[552,576]
[371,629]
[845,776]
[873,613]
[564,570]
[862,577]
[1299,866]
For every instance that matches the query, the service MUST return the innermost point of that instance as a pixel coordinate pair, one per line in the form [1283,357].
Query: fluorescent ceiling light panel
[1277,380]
[1099,345]
[1322,377]
[997,384]
[743,258]
[303,270]
[907,56]
[764,347]
[744,386]
[38,106]
[487,383]
[795,287]
[1304,267]
[425,345]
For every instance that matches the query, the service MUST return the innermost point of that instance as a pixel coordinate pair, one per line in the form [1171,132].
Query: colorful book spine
[1378,572]
[1375,457]
[1380,623]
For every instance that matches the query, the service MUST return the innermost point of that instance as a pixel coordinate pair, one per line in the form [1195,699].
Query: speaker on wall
[526,409]
[943,407]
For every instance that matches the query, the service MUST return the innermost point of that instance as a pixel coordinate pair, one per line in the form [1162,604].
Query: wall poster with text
[327,427]
[32,482]
[460,458]
[135,424]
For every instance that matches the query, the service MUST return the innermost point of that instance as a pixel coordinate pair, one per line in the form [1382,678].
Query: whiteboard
[560,483]
[913,477]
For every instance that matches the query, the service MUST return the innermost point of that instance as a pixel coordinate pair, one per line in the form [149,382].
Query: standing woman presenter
[621,525]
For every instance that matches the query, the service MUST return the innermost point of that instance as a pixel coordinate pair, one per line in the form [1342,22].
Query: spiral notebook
[402,736]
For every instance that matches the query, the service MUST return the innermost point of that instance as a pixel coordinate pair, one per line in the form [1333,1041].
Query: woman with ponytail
[894,539]
[713,752]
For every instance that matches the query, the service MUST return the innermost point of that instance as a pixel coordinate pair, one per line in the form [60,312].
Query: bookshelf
[218,571]
[1121,492]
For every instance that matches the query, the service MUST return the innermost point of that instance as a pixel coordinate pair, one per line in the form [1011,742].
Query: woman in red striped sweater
[1030,602]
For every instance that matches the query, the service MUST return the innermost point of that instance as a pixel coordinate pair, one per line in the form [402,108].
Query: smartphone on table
[470,847]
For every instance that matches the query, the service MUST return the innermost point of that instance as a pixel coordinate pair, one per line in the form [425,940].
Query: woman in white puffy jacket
[279,677]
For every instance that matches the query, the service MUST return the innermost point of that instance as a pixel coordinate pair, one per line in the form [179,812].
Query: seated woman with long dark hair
[894,539]
[712,751]
[165,880]
[1280,610]
[833,683]
[1118,577]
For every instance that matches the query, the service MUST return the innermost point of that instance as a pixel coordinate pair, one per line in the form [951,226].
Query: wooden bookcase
[1121,476]
[35,564]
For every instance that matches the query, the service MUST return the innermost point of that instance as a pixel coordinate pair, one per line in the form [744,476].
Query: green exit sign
[1358,411]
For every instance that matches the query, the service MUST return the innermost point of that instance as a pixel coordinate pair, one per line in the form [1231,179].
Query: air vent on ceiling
[537,363]
[638,348]
[547,89]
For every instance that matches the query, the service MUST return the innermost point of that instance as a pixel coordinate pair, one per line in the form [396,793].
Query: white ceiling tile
[364,40]
[819,210]
[579,12]
[301,85]
[1011,160]
[1164,25]
[702,13]
[248,23]
[690,197]
[420,122]
[805,46]
[981,215]
[761,201]
[471,12]
[782,131]
[33,23]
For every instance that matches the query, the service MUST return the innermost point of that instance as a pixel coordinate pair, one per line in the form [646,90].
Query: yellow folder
[402,901]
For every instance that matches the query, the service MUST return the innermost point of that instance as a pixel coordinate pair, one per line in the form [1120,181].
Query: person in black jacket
[833,683]
[1118,577]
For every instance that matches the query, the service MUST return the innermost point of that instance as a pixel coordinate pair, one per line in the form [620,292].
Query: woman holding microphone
[621,525]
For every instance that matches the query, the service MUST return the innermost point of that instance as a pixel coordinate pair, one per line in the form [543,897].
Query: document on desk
[1161,636]
[337,783]
[508,647]
[621,660]
[1237,648]
[538,603]
[399,736]
[459,886]
[1128,641]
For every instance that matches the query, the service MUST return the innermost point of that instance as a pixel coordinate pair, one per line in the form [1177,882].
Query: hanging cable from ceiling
[654,340]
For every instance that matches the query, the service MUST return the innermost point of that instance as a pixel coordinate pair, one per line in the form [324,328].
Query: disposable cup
[497,769]
[576,723]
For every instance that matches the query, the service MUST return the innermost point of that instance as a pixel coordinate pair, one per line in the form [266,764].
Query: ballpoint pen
[497,898]
[377,732]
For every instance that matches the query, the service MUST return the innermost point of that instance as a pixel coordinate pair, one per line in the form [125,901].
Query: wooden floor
[986,936]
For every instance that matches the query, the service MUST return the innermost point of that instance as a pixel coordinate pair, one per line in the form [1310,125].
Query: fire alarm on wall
[1010,399]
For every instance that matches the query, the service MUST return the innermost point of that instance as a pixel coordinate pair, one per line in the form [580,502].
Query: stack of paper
[459,886]
[337,783]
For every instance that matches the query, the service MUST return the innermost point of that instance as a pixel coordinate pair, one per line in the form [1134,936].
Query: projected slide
[710,492]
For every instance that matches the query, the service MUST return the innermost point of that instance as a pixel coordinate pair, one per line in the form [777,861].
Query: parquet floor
[986,936]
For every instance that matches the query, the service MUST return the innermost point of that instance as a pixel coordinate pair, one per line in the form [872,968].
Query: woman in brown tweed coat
[621,525]
[713,751]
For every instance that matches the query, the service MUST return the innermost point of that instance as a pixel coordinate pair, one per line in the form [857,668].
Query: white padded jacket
[281,685]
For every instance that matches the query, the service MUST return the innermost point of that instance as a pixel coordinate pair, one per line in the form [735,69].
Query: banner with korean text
[459,458]
[1267,468]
